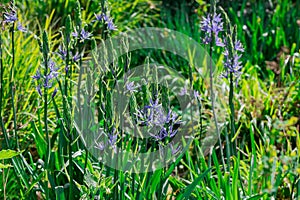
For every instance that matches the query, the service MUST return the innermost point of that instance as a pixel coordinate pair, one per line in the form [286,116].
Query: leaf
[59,191]
[6,154]
[41,144]
[189,189]
[2,166]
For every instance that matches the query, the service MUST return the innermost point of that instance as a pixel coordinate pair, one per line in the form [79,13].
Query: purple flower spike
[47,83]
[53,71]
[21,28]
[75,34]
[10,17]
[84,35]
[100,146]
[62,53]
[219,42]
[101,17]
[112,139]
[232,64]
[212,25]
[110,25]
[76,57]
[131,87]
[37,76]
[217,24]
[238,46]
[38,88]
[161,135]
[67,69]
[183,91]
[172,132]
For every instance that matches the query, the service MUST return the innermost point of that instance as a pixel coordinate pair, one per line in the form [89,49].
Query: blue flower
[232,63]
[75,34]
[67,69]
[238,46]
[174,150]
[37,76]
[161,135]
[109,22]
[47,80]
[47,83]
[212,25]
[131,87]
[76,57]
[38,88]
[62,53]
[101,17]
[10,17]
[53,71]
[183,91]
[112,137]
[100,146]
[21,28]
[110,25]
[84,35]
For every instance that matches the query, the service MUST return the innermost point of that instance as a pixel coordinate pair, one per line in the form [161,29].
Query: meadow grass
[42,154]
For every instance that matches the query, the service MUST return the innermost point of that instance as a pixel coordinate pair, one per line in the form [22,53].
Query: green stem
[1,94]
[48,153]
[11,84]
[70,168]
[232,118]
[212,96]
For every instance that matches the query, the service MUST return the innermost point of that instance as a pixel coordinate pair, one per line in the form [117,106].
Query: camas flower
[37,76]
[101,17]
[110,25]
[232,63]
[212,25]
[154,117]
[47,80]
[174,150]
[131,87]
[84,35]
[109,22]
[38,89]
[21,28]
[76,57]
[10,17]
[62,53]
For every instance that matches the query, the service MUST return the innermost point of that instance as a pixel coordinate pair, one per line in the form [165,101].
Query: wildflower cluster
[131,87]
[109,141]
[83,35]
[154,117]
[107,20]
[63,54]
[10,17]
[212,25]
[46,81]
[232,62]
